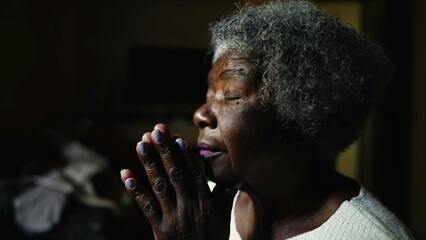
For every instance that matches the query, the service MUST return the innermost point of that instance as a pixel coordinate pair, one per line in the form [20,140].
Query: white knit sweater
[361,218]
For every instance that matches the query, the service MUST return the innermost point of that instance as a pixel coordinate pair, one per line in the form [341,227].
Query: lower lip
[208,153]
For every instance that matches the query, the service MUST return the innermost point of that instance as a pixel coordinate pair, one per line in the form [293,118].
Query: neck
[291,199]
[298,197]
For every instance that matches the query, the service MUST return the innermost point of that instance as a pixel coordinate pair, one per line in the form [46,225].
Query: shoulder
[370,213]
[363,217]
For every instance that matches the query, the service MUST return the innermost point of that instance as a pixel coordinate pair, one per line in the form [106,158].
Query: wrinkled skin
[239,149]
[178,198]
[234,126]
[235,130]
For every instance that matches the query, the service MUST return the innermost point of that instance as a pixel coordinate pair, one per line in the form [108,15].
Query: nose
[204,117]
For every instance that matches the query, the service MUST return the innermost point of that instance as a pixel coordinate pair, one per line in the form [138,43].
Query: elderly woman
[289,89]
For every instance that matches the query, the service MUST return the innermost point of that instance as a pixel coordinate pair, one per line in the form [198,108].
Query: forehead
[234,68]
[234,60]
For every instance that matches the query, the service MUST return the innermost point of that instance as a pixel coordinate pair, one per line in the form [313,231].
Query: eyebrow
[230,72]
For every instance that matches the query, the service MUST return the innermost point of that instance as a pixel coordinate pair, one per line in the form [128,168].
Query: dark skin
[285,191]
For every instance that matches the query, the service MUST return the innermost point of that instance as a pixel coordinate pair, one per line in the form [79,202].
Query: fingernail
[158,137]
[130,184]
[181,143]
[143,148]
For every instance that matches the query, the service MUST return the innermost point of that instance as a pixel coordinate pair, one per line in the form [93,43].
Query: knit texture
[362,218]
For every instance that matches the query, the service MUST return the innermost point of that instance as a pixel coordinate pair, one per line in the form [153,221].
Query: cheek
[244,136]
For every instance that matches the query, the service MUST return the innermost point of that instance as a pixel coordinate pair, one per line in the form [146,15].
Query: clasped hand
[177,201]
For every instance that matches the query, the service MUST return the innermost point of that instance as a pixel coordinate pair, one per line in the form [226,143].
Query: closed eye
[232,98]
[232,95]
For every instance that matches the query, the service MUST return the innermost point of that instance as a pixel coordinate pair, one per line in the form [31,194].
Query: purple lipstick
[207,151]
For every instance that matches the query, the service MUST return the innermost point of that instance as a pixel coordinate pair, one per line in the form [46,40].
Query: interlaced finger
[156,174]
[173,159]
[199,180]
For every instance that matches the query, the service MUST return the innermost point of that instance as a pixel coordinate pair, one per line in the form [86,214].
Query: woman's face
[236,130]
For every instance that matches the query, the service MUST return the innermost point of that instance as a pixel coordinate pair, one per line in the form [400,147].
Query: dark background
[103,72]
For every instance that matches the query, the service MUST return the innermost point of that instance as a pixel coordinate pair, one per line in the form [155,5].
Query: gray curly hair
[318,73]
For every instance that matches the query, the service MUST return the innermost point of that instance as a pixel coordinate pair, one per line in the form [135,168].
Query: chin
[220,178]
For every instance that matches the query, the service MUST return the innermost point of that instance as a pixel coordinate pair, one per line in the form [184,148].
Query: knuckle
[144,203]
[160,185]
[149,165]
[176,174]
[166,152]
[140,197]
[148,208]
